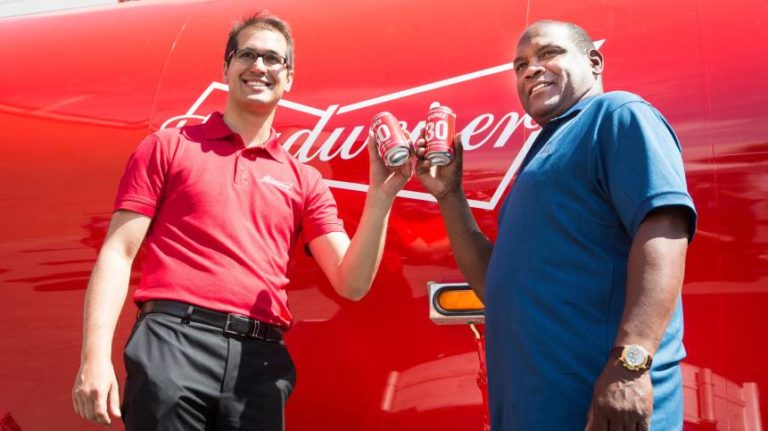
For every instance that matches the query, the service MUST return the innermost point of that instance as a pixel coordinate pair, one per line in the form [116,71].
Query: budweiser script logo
[478,133]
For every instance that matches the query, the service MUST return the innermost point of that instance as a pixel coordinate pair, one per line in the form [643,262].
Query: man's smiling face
[553,73]
[257,86]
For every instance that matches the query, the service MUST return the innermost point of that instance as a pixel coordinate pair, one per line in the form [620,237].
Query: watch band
[616,352]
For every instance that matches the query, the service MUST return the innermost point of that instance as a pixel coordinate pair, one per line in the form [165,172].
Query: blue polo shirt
[555,286]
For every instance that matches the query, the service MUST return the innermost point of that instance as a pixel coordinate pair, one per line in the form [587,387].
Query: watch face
[634,356]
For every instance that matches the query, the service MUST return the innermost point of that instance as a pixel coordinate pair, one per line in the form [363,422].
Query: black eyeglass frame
[281,61]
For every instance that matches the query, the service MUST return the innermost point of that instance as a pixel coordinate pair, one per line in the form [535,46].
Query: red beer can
[393,143]
[438,134]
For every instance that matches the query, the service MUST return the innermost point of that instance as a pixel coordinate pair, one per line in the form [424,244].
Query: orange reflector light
[459,300]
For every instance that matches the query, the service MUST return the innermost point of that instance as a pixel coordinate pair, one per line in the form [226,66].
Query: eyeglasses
[247,57]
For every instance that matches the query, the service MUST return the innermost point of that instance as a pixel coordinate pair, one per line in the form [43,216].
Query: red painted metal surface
[78,90]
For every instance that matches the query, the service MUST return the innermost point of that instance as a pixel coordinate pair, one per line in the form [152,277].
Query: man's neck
[253,128]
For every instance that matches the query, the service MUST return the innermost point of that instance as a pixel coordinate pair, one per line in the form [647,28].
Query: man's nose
[259,64]
[533,70]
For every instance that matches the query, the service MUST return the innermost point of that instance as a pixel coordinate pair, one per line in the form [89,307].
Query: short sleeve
[143,181]
[321,216]
[641,166]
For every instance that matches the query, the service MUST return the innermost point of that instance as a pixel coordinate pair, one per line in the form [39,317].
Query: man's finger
[590,418]
[406,169]
[420,148]
[114,400]
[77,404]
[600,423]
[458,145]
[99,404]
[88,407]
[372,150]
[458,148]
[422,167]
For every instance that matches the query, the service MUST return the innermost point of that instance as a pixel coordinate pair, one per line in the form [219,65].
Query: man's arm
[622,398]
[471,248]
[95,394]
[351,265]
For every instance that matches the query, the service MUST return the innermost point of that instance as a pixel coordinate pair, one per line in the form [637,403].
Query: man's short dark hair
[578,35]
[261,20]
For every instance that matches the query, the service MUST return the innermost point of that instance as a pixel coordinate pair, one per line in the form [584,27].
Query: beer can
[393,143]
[438,134]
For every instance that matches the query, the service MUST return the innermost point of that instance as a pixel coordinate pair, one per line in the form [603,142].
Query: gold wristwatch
[632,357]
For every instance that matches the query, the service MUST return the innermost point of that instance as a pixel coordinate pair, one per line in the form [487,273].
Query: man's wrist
[452,196]
[95,355]
[633,357]
[379,196]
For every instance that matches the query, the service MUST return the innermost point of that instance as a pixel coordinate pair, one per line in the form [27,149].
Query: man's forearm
[471,248]
[108,285]
[654,279]
[358,267]
[104,299]
[95,394]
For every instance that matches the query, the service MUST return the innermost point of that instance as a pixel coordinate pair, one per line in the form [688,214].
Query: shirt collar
[215,128]
[573,110]
[273,148]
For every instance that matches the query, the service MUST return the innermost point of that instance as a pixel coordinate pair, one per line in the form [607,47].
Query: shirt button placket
[241,171]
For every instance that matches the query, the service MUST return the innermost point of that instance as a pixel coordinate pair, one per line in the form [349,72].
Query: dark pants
[190,376]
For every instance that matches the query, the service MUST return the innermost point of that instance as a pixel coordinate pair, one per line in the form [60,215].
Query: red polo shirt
[225,218]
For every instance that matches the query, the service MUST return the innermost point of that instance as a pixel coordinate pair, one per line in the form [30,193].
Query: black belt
[232,324]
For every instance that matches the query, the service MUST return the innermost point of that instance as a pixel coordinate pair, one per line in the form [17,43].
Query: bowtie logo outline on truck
[353,144]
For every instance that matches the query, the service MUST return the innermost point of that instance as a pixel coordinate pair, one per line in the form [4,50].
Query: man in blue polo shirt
[582,287]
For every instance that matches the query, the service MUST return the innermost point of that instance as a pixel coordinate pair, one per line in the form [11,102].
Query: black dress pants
[190,376]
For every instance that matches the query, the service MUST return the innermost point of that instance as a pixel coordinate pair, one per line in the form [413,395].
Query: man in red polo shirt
[220,207]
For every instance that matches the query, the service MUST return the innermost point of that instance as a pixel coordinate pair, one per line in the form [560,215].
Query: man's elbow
[353,292]
[119,252]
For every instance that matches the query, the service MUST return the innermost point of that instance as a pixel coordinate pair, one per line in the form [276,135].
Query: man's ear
[596,61]
[224,68]
[289,80]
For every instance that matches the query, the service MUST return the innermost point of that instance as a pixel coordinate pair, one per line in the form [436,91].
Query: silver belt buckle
[230,321]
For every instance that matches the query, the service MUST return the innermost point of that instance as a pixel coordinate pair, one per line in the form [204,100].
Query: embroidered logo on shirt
[269,180]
